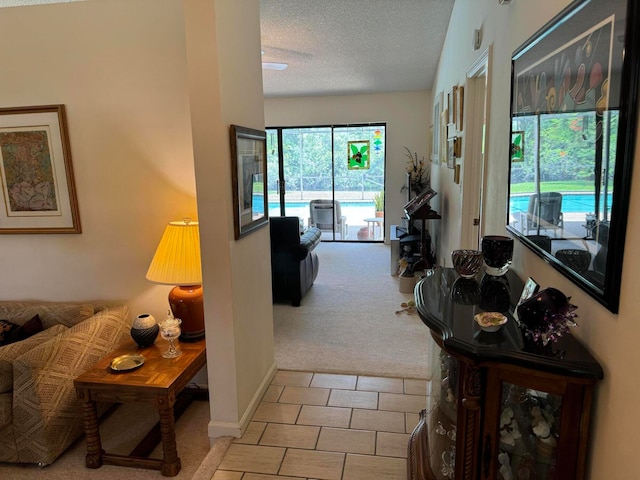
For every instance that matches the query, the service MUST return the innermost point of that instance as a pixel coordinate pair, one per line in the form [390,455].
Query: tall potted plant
[378,201]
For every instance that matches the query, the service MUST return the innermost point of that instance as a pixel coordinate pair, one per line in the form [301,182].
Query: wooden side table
[158,381]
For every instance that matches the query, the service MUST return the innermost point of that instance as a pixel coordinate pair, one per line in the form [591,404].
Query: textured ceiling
[336,47]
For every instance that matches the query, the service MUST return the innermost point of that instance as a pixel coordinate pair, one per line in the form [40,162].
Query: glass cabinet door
[528,434]
[442,417]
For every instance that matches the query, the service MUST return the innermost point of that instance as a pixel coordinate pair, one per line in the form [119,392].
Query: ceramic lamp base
[186,304]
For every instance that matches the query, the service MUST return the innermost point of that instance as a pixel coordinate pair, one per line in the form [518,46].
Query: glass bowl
[467,262]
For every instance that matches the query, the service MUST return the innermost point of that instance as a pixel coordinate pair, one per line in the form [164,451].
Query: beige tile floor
[319,426]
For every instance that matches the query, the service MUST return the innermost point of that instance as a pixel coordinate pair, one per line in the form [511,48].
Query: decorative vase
[144,330]
[532,311]
[546,315]
[497,251]
[467,262]
[363,233]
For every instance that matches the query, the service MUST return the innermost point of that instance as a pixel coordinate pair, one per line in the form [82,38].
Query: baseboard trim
[231,429]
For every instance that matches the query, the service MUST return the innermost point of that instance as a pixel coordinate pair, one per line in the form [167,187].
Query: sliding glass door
[331,177]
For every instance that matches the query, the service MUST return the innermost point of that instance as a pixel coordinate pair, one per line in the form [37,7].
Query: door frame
[478,98]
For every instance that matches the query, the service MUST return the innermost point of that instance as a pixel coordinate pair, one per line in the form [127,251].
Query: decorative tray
[126,363]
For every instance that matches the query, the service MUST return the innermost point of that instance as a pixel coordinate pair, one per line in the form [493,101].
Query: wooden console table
[500,406]
[158,382]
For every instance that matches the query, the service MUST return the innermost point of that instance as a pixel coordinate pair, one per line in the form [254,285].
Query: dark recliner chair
[294,263]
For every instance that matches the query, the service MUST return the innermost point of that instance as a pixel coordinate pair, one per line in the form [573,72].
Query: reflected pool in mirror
[574,94]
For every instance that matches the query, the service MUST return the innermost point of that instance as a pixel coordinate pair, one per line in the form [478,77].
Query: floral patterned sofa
[39,415]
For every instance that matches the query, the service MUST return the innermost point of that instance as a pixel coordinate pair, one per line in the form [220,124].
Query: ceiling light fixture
[274,66]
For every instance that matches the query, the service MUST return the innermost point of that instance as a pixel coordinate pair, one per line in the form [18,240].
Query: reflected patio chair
[327,216]
[543,213]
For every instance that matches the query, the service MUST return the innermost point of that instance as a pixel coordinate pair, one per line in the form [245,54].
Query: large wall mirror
[573,122]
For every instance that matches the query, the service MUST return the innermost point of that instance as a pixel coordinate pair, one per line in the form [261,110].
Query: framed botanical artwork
[517,146]
[460,107]
[358,155]
[249,179]
[452,100]
[36,172]
[435,144]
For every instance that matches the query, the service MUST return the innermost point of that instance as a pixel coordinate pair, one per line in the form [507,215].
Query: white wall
[226,88]
[407,114]
[121,69]
[613,339]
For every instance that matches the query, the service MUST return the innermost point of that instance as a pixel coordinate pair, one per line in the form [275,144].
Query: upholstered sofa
[294,262]
[39,416]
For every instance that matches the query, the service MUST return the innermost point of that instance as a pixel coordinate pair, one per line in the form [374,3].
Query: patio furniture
[326,215]
[543,213]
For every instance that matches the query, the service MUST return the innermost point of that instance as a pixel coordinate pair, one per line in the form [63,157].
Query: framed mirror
[249,177]
[573,121]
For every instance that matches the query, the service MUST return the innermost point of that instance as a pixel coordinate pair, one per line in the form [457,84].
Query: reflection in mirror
[572,126]
[561,188]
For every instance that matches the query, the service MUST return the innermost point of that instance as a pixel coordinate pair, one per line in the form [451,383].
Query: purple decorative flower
[547,316]
[555,325]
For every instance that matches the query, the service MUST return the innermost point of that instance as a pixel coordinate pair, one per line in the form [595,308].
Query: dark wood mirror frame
[576,78]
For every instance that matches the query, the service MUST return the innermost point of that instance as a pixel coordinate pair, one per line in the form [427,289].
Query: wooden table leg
[170,460]
[91,430]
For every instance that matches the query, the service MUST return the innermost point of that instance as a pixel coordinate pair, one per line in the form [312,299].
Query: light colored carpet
[347,321]
[120,432]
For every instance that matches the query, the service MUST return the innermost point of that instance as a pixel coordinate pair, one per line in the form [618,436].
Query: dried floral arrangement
[419,172]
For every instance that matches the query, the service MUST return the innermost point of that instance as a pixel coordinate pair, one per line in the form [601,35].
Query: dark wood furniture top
[447,303]
[158,381]
[487,385]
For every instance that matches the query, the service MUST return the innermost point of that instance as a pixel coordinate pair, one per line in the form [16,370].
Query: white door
[476,125]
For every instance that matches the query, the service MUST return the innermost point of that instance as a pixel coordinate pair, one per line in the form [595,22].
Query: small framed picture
[460,113]
[451,152]
[530,288]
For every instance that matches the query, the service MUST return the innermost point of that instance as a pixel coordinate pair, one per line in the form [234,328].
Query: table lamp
[177,262]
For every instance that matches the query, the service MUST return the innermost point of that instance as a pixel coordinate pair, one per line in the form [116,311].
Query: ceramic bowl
[490,321]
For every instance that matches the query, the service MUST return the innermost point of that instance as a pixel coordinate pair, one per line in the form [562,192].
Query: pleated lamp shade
[177,262]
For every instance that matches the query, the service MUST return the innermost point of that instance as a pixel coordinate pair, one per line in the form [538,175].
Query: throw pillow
[10,332]
[6,330]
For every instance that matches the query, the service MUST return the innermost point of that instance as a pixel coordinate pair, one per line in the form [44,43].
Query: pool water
[571,202]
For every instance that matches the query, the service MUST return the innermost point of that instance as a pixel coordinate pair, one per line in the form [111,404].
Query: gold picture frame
[36,172]
[460,107]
